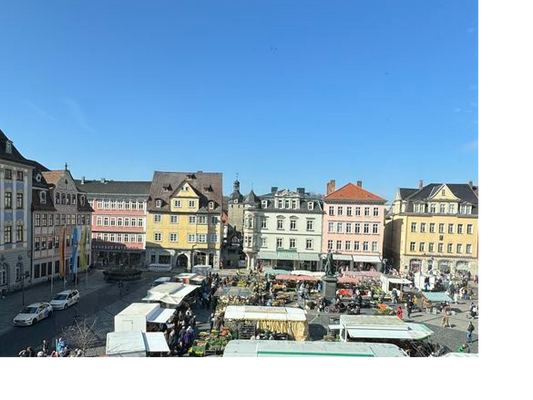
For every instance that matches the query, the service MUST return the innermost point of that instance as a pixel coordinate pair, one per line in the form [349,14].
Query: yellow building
[433,228]
[184,226]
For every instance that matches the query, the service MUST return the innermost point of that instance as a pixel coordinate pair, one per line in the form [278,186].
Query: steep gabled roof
[53,177]
[252,198]
[15,155]
[463,191]
[351,192]
[207,184]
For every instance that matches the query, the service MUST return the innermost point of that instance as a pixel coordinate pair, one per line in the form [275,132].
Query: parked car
[65,299]
[33,313]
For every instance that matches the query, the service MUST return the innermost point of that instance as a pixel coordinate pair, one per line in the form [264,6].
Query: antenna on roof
[66,167]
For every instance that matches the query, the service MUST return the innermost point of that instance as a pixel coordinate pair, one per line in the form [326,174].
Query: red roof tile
[353,192]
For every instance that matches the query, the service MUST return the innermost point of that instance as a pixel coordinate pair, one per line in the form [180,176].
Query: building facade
[118,221]
[283,229]
[184,225]
[434,228]
[236,208]
[353,226]
[15,216]
[59,209]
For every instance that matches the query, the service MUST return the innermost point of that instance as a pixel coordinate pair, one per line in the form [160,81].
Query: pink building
[118,220]
[353,226]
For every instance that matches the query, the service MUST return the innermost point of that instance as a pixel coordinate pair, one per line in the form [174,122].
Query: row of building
[183,219]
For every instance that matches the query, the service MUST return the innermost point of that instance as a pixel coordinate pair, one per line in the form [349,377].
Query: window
[112,237]
[120,221]
[19,234]
[8,175]
[356,246]
[330,244]
[45,219]
[357,228]
[331,210]
[214,238]
[264,242]
[349,211]
[140,222]
[376,211]
[20,176]
[432,228]
[366,228]
[423,227]
[330,227]
[173,219]
[202,219]
[8,235]
[309,244]
[20,201]
[348,245]
[450,228]
[280,224]
[293,224]
[37,244]
[441,248]
[441,228]
[348,227]
[157,236]
[214,220]
[139,238]
[114,221]
[468,249]
[374,247]
[192,203]
[365,246]
[442,208]
[367,211]
[451,208]
[431,247]
[310,206]
[309,224]
[192,219]
[357,211]
[413,226]
[339,227]
[459,248]
[339,211]
[413,246]
[37,219]
[98,221]
[470,229]
[263,223]
[8,200]
[191,237]
[287,203]
[375,229]
[279,243]
[459,229]
[211,205]
[174,237]
[292,243]
[157,218]
[450,247]
[294,205]
[421,247]
[339,245]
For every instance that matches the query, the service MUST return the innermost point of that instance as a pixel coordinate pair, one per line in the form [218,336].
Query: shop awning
[366,258]
[264,313]
[437,297]
[309,257]
[135,344]
[342,257]
[161,316]
[278,255]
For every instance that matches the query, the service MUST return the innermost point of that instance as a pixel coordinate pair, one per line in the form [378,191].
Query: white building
[283,229]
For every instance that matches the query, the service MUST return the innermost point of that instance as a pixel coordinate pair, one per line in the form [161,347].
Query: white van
[160,267]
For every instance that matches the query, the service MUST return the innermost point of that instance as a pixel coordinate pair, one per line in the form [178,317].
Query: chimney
[301,191]
[83,180]
[330,187]
[273,189]
[360,184]
[420,184]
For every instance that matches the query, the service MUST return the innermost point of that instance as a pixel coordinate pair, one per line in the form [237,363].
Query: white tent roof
[264,313]
[135,343]
[382,327]
[170,293]
[139,309]
[161,315]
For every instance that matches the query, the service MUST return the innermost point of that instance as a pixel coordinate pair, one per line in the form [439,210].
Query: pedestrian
[464,348]
[473,311]
[409,307]
[211,321]
[399,312]
[469,331]
[456,298]
[446,317]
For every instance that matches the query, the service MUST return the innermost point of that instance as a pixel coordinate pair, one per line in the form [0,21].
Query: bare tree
[81,335]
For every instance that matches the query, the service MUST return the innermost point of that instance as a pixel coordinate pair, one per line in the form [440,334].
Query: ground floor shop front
[185,258]
[287,260]
[444,265]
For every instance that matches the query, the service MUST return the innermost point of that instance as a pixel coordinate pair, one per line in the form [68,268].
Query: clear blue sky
[287,93]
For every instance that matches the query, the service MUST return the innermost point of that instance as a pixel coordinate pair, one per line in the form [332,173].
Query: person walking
[469,331]
[446,317]
[399,312]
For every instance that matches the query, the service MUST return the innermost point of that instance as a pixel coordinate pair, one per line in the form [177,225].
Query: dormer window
[9,147]
[158,203]
[264,203]
[310,205]
[38,178]
[74,200]
[211,205]
[82,200]
[42,197]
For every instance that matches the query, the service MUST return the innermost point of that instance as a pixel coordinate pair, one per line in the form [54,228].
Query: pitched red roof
[353,192]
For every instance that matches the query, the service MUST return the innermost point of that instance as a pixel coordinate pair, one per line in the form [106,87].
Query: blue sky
[288,93]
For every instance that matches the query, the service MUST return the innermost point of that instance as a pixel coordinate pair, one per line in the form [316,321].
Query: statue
[329,267]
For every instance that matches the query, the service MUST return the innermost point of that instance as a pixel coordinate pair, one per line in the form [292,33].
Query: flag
[83,256]
[74,257]
[62,246]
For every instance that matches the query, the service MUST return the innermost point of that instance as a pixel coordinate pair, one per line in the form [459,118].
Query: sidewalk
[11,304]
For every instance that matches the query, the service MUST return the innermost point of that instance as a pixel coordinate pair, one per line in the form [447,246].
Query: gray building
[15,216]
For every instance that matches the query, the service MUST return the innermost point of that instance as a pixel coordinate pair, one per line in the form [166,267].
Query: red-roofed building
[353,226]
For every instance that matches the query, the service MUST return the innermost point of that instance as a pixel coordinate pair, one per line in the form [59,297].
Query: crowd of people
[60,350]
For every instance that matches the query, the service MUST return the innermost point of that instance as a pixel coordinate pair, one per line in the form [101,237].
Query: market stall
[136,344]
[389,282]
[189,279]
[143,317]
[432,302]
[171,295]
[279,320]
